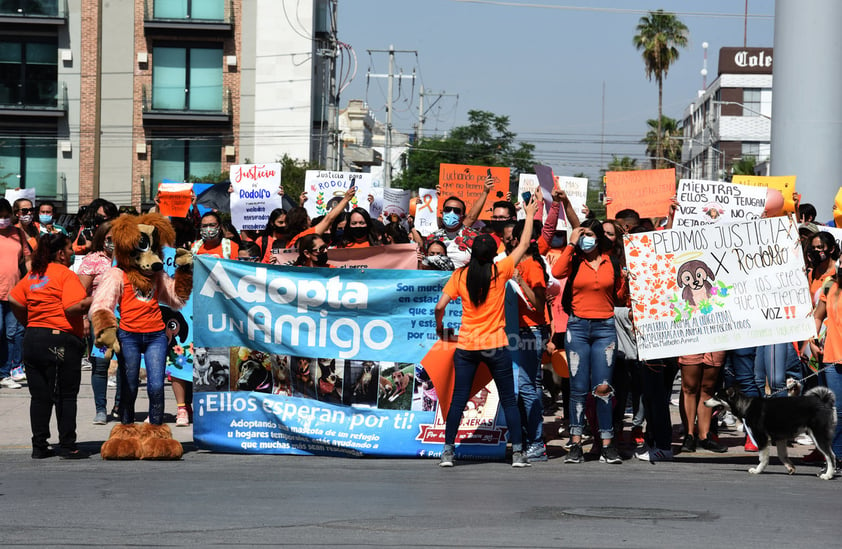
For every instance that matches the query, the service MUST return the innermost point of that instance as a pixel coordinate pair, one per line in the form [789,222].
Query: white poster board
[706,202]
[575,187]
[718,287]
[396,201]
[426,221]
[255,194]
[15,194]
[325,189]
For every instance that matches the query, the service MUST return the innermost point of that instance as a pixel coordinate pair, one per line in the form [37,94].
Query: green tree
[624,164]
[659,35]
[743,166]
[669,142]
[485,141]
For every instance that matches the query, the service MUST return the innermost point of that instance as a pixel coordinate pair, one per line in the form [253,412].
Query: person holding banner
[312,252]
[359,233]
[211,241]
[298,221]
[594,287]
[274,233]
[482,336]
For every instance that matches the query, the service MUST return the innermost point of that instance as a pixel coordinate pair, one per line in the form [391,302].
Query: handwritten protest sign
[375,206]
[648,192]
[15,194]
[255,194]
[718,287]
[467,182]
[783,183]
[393,256]
[325,190]
[396,201]
[174,199]
[426,220]
[706,202]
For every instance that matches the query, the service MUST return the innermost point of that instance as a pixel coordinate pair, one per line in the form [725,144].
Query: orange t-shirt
[533,276]
[816,284]
[833,337]
[139,314]
[364,244]
[217,251]
[46,297]
[593,289]
[483,327]
[291,244]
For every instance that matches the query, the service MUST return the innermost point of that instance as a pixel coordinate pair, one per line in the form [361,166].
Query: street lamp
[767,117]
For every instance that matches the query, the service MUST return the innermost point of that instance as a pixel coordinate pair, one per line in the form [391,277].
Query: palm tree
[670,142]
[659,36]
[624,164]
[743,166]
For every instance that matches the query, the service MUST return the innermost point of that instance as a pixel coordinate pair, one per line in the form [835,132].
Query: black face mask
[321,258]
[337,236]
[816,257]
[358,233]
[498,225]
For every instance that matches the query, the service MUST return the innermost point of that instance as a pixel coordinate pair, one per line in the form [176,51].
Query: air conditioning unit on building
[230,151]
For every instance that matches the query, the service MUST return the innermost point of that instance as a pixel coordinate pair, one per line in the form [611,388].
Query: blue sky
[543,64]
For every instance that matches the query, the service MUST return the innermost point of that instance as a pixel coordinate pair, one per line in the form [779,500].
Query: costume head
[138,245]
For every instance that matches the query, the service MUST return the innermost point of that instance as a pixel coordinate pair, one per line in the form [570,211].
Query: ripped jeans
[591,348]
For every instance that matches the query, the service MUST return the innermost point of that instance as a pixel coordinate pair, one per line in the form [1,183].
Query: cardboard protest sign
[426,219]
[325,189]
[255,194]
[396,201]
[648,192]
[576,189]
[468,182]
[174,199]
[718,287]
[547,181]
[706,202]
[783,183]
[15,194]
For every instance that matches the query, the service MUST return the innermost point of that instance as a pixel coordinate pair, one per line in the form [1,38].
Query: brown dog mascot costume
[135,286]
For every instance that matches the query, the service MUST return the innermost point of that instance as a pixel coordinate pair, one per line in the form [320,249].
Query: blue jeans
[11,346]
[530,388]
[591,347]
[833,380]
[153,347]
[775,363]
[742,367]
[499,362]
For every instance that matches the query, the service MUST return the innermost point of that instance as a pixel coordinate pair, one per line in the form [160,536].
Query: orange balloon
[774,203]
[412,205]
[559,360]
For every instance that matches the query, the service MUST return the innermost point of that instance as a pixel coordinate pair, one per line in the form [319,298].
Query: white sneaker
[112,381]
[86,364]
[654,454]
[10,383]
[18,374]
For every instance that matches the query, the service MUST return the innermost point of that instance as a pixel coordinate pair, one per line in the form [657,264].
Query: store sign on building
[745,61]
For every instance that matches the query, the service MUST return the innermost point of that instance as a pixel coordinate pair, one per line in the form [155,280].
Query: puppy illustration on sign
[700,291]
[696,279]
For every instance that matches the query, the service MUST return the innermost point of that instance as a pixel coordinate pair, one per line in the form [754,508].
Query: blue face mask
[587,243]
[451,219]
[45,219]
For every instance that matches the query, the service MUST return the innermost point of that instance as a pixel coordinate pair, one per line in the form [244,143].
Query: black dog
[254,377]
[780,419]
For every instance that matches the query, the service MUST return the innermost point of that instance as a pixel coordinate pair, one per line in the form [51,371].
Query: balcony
[193,17]
[47,101]
[33,12]
[154,113]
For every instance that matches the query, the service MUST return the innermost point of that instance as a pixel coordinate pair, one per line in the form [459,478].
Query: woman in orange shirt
[312,252]
[359,233]
[482,335]
[50,301]
[594,286]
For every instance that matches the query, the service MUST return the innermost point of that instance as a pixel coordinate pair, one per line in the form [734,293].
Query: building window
[757,102]
[179,159]
[28,73]
[205,10]
[759,151]
[187,79]
[29,162]
[29,7]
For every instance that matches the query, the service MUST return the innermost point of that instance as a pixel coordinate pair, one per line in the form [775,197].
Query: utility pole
[333,148]
[422,114]
[387,152]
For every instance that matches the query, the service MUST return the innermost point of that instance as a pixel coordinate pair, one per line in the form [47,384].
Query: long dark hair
[481,270]
[532,250]
[372,237]
[48,246]
[269,229]
[305,244]
[604,245]
[297,221]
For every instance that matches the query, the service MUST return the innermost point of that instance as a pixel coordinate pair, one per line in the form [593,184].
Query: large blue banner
[351,314]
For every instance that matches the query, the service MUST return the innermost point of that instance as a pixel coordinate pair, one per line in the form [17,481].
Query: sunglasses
[25,211]
[319,250]
[448,209]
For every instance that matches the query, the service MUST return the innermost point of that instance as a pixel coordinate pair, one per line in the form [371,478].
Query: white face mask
[26,219]
[5,222]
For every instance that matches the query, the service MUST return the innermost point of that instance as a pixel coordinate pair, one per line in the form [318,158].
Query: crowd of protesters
[573,300]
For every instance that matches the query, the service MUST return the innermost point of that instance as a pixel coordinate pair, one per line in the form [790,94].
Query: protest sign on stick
[718,287]
[707,202]
[396,201]
[15,194]
[426,220]
[783,183]
[648,192]
[255,194]
[467,182]
[325,189]
[174,199]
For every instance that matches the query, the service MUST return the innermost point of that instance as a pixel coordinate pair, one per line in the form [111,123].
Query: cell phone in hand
[488,172]
[601,198]
[353,183]
[527,197]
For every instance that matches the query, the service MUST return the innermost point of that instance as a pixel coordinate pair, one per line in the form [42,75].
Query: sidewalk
[17,436]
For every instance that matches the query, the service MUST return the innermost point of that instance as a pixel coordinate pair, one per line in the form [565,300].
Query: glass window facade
[203,10]
[29,162]
[28,73]
[187,78]
[179,159]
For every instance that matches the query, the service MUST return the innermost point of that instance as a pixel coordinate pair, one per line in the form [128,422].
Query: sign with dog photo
[325,190]
[707,202]
[718,287]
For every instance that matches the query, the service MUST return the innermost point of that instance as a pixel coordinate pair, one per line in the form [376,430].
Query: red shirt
[46,297]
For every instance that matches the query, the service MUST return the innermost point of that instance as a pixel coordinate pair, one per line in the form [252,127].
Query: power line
[613,10]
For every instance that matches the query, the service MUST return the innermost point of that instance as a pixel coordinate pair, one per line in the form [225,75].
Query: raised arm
[477,207]
[526,236]
[331,216]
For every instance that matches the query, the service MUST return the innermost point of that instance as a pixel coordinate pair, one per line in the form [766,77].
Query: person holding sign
[594,286]
[298,221]
[359,232]
[482,337]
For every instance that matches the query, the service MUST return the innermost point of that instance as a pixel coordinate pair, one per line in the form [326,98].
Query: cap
[809,227]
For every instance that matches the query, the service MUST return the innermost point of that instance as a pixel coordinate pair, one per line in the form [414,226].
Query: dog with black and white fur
[781,419]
